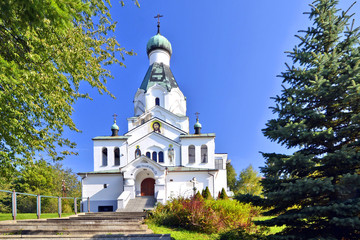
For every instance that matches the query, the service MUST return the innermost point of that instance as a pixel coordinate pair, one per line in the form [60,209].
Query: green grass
[180,234]
[273,230]
[21,216]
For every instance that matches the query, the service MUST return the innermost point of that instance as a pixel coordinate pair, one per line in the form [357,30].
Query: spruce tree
[315,191]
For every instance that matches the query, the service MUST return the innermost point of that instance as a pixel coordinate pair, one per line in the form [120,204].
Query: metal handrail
[38,202]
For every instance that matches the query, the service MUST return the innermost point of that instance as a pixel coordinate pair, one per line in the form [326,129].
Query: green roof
[158,42]
[114,126]
[198,135]
[159,73]
[111,138]
[188,169]
[112,171]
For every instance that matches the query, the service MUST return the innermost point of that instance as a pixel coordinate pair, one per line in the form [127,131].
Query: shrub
[207,216]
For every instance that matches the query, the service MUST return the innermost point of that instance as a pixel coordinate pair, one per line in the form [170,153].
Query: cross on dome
[158,22]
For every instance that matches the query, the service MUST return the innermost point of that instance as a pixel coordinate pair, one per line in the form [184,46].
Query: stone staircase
[138,204]
[109,225]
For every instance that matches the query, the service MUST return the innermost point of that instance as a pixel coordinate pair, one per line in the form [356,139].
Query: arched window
[148,154]
[191,154]
[204,154]
[104,157]
[154,156]
[116,156]
[161,157]
[157,101]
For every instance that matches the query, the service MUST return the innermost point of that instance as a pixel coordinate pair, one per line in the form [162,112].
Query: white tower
[159,87]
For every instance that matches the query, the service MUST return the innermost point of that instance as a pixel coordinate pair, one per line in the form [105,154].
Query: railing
[38,202]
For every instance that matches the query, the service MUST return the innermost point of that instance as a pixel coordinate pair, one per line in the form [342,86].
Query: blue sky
[226,55]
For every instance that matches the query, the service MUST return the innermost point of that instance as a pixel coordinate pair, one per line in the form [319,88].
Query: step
[14,227]
[106,218]
[71,232]
[77,223]
[90,237]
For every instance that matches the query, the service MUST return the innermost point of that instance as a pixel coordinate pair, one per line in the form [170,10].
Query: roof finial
[158,23]
[115,115]
[197,125]
[114,127]
[197,116]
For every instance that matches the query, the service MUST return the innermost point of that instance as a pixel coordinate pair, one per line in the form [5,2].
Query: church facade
[158,156]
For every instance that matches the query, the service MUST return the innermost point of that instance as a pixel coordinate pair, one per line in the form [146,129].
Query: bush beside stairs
[109,225]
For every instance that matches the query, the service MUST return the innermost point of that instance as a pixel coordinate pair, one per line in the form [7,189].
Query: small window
[191,154]
[104,157]
[154,156]
[204,154]
[218,163]
[161,157]
[157,101]
[105,185]
[117,156]
[148,154]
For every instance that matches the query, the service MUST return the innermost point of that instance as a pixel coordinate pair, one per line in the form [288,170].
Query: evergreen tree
[206,193]
[223,194]
[231,176]
[316,190]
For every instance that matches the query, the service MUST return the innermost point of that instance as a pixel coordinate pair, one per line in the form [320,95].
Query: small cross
[158,23]
[197,115]
[115,115]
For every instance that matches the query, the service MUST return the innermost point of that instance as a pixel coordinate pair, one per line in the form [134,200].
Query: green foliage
[231,176]
[249,182]
[47,49]
[206,193]
[44,179]
[198,196]
[315,190]
[208,216]
[248,198]
[223,194]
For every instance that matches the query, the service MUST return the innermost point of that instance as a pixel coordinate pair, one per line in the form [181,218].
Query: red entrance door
[147,187]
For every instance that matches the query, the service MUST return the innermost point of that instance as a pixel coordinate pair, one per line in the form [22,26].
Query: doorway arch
[147,187]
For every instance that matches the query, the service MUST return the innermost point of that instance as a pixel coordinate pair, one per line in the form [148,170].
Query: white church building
[159,155]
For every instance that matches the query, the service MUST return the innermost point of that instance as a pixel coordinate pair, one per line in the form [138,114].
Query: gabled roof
[140,160]
[156,134]
[159,119]
[159,73]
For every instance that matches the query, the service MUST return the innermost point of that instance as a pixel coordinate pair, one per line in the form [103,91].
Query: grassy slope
[21,216]
[180,234]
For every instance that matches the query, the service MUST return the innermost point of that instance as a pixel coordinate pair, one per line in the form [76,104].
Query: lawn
[273,230]
[180,234]
[21,216]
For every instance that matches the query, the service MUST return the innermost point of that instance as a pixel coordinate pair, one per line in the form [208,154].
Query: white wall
[110,145]
[93,186]
[197,142]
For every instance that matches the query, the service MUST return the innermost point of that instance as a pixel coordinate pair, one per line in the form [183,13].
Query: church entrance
[147,187]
